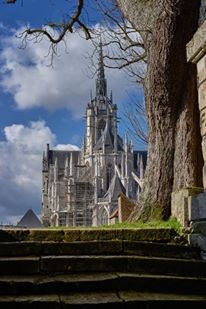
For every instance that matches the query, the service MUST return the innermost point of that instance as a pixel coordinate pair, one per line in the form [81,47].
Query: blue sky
[40,103]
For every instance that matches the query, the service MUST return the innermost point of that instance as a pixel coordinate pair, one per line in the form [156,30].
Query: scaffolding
[81,198]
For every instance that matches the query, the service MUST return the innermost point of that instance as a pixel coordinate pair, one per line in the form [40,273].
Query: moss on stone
[195,190]
[100,234]
[149,234]
[70,235]
[46,235]
[18,234]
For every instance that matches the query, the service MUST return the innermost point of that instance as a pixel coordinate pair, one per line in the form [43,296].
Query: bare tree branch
[62,28]
[135,114]
[10,1]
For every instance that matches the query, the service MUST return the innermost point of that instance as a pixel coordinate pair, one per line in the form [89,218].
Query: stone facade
[82,187]
[196,52]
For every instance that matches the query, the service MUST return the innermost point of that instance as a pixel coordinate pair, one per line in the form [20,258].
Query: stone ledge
[70,235]
[196,48]
[197,207]
[199,227]
[198,240]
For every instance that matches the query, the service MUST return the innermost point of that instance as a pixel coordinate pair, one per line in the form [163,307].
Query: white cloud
[66,147]
[27,76]
[20,167]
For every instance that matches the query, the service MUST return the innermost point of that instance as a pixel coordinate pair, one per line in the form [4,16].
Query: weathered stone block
[179,204]
[100,234]
[202,12]
[202,96]
[198,240]
[19,265]
[199,227]
[196,48]
[149,234]
[201,69]
[197,207]
[46,235]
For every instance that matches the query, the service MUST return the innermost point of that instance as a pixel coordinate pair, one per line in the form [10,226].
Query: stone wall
[125,207]
[196,53]
[202,12]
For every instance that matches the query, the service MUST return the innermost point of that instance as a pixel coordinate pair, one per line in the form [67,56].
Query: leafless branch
[10,1]
[135,115]
[63,28]
[55,32]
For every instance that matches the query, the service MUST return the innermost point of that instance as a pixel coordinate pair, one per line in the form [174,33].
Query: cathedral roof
[105,140]
[116,187]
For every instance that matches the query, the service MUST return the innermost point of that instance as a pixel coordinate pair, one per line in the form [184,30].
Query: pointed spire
[138,160]
[141,169]
[71,164]
[111,97]
[56,170]
[122,165]
[101,83]
[126,143]
[44,163]
[91,95]
[66,167]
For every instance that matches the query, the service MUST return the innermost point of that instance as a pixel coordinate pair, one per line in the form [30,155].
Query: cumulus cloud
[32,83]
[20,167]
[66,147]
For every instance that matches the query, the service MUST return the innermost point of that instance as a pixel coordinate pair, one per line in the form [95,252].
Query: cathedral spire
[101,83]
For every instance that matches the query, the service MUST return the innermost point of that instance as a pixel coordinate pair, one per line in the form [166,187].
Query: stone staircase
[108,273]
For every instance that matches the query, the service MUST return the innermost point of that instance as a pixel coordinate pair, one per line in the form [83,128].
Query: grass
[171,223]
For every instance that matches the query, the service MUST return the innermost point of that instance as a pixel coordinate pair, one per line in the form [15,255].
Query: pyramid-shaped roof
[29,220]
[106,139]
[116,187]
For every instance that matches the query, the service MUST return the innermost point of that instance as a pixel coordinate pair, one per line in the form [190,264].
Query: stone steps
[118,273]
[113,247]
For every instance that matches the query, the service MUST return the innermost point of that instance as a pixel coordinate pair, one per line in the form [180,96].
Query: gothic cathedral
[81,188]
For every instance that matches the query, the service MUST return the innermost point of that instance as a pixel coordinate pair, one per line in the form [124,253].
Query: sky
[41,103]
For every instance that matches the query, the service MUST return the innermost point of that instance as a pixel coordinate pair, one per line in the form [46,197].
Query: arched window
[109,174]
[100,127]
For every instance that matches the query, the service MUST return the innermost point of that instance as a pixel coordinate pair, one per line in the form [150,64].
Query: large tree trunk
[174,149]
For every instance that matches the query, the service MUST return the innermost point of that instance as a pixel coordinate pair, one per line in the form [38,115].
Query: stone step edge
[97,257]
[79,264]
[69,235]
[104,297]
[94,277]
[40,284]
[126,247]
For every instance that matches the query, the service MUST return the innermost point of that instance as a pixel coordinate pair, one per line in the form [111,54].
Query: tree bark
[174,148]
